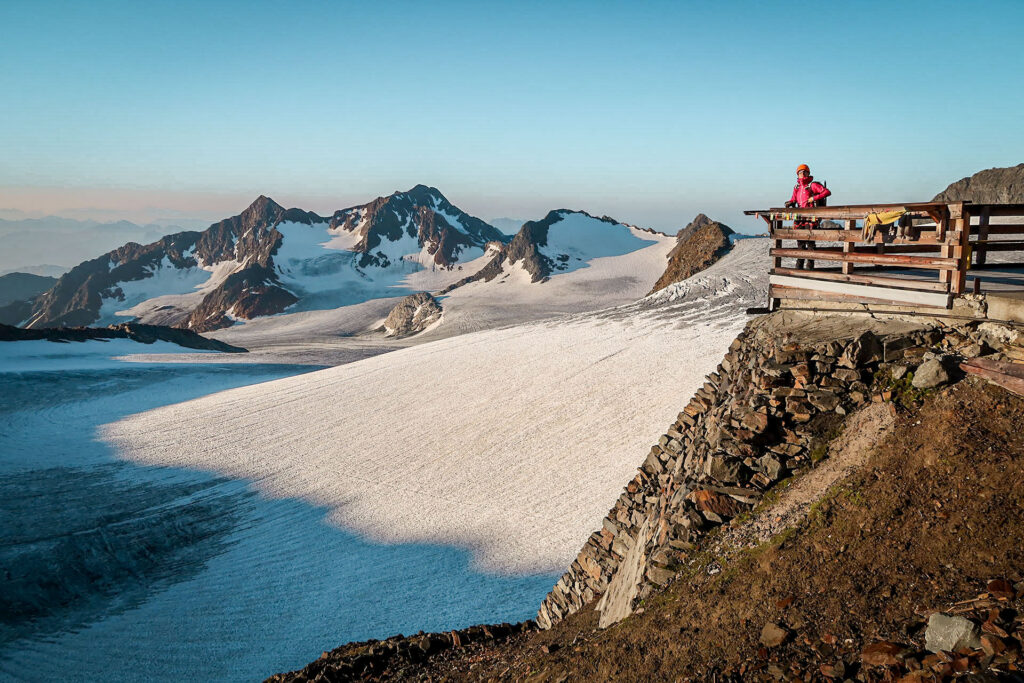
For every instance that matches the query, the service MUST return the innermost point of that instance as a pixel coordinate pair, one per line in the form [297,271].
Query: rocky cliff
[412,315]
[698,245]
[991,186]
[550,246]
[422,214]
[758,419]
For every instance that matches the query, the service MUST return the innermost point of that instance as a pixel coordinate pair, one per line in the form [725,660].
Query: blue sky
[648,112]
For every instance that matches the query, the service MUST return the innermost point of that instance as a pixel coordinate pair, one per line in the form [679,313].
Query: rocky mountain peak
[699,221]
[263,209]
[698,245]
[991,186]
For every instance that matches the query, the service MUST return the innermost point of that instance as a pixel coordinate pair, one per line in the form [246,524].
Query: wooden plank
[1002,366]
[1001,245]
[946,251]
[926,237]
[928,262]
[911,248]
[859,293]
[852,289]
[871,208]
[1001,229]
[908,283]
[997,374]
[1000,209]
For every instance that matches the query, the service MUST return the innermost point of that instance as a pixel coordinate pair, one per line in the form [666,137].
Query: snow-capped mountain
[563,241]
[268,259]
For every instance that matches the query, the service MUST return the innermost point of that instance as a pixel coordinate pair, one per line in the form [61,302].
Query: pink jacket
[807,192]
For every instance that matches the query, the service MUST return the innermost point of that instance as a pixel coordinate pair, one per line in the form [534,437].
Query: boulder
[950,633]
[931,373]
[412,315]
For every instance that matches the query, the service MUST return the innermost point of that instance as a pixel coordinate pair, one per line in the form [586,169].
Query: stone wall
[764,414]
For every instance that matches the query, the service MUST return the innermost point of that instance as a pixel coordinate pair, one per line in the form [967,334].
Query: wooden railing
[923,260]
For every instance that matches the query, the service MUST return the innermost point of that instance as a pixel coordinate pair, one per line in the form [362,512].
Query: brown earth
[931,517]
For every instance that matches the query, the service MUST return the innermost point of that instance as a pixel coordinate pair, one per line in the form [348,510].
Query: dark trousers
[805,244]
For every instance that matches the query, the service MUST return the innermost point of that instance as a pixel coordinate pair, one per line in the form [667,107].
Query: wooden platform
[924,254]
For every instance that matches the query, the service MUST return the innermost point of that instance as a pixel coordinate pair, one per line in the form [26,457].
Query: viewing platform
[951,260]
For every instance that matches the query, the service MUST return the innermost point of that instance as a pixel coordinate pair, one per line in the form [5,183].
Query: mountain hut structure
[950,260]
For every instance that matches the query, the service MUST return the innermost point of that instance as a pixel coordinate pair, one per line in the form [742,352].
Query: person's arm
[819,192]
[792,199]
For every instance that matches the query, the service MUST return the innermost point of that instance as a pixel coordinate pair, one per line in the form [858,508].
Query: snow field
[510,442]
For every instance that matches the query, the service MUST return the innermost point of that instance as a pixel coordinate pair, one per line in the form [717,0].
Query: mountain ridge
[420,219]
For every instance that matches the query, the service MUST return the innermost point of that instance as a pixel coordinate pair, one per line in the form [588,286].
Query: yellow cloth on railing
[874,220]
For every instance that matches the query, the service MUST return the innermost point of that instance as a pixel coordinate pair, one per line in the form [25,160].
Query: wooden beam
[962,251]
[1000,229]
[776,227]
[851,230]
[901,248]
[1000,209]
[926,237]
[945,276]
[928,262]
[982,236]
[1001,245]
[918,298]
[880,280]
[1004,374]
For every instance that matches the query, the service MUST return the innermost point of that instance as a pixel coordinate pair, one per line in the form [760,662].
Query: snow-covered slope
[510,442]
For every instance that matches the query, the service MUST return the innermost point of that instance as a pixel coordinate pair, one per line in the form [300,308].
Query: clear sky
[646,111]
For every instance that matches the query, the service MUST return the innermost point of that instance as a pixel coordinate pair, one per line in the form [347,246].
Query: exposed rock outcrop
[764,414]
[991,186]
[531,248]
[423,214]
[412,315]
[145,334]
[698,245]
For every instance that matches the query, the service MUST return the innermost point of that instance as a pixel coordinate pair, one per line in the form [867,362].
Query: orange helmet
[803,167]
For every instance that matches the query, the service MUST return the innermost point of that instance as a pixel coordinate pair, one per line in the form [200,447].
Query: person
[806,194]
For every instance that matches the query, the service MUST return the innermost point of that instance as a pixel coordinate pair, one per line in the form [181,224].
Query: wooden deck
[923,254]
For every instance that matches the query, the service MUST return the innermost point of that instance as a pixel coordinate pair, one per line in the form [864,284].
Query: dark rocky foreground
[145,334]
[652,595]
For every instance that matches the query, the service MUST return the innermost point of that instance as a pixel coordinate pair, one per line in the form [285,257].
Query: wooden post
[982,236]
[946,251]
[776,225]
[961,251]
[848,247]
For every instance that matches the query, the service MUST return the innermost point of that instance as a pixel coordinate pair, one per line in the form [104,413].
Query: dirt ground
[933,515]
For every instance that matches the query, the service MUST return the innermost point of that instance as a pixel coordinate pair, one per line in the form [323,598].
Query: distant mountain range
[268,259]
[43,245]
